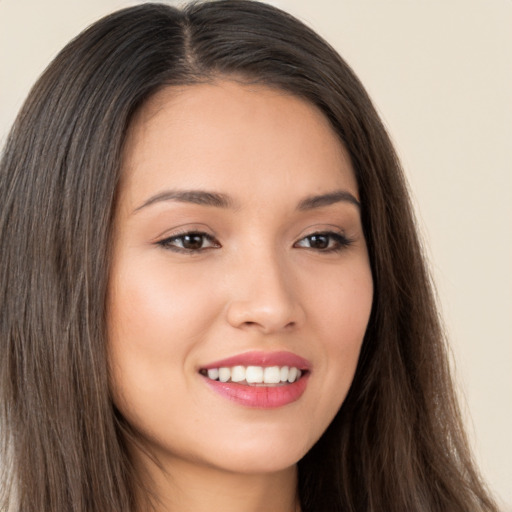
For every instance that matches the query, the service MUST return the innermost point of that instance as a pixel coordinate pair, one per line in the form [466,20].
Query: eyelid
[184,229]
[321,228]
[343,241]
[165,242]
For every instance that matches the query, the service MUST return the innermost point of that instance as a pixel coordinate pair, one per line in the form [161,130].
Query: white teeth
[237,373]
[255,374]
[213,373]
[224,374]
[292,374]
[271,375]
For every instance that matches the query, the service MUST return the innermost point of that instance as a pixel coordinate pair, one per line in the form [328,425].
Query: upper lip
[260,358]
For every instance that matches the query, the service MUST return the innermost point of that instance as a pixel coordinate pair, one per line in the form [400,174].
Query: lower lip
[261,397]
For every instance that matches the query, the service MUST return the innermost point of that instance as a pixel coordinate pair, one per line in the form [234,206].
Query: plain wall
[440,74]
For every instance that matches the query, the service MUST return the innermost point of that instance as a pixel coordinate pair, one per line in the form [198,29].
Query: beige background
[440,73]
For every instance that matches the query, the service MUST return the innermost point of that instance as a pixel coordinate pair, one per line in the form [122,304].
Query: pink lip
[262,397]
[262,359]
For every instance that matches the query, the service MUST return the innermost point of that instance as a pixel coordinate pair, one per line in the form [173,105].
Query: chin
[265,453]
[264,463]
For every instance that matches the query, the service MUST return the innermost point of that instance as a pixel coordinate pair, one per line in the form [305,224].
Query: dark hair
[397,443]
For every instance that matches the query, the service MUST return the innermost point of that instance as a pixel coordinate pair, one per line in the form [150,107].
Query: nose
[264,296]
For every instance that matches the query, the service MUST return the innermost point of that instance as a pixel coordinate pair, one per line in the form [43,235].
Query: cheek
[340,303]
[151,307]
[340,316]
[155,320]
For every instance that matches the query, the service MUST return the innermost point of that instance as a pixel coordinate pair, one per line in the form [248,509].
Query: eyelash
[167,243]
[340,242]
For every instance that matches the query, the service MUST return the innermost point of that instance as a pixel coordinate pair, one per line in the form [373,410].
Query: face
[238,257]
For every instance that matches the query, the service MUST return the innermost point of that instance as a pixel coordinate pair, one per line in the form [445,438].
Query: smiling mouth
[268,376]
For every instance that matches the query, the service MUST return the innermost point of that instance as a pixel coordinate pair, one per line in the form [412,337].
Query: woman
[214,296]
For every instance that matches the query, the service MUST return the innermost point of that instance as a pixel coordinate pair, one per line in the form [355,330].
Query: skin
[259,283]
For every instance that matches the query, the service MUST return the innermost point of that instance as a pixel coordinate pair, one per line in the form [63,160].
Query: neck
[186,487]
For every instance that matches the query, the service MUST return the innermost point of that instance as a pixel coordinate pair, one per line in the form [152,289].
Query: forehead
[234,136]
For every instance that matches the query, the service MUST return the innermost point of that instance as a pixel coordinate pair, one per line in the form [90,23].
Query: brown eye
[189,242]
[192,242]
[319,241]
[324,242]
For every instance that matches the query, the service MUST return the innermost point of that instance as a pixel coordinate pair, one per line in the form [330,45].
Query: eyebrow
[219,200]
[318,201]
[190,196]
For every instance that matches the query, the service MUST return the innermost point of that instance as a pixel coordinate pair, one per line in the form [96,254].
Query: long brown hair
[397,443]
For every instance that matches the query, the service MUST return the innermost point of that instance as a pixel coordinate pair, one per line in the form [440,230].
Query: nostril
[264,313]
